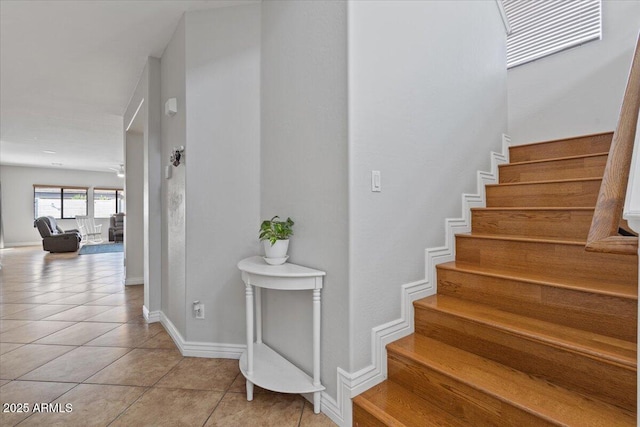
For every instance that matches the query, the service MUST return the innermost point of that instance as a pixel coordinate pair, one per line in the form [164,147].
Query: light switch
[375,181]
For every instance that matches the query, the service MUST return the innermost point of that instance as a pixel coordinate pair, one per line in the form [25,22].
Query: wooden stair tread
[555,159]
[595,346]
[579,192]
[550,181]
[570,138]
[394,405]
[595,286]
[570,167]
[558,222]
[535,208]
[563,147]
[551,259]
[516,238]
[552,403]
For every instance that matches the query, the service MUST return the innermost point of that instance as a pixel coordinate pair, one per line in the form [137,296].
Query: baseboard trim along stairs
[527,327]
[352,384]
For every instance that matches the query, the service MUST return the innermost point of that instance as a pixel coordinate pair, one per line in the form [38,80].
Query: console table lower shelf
[273,372]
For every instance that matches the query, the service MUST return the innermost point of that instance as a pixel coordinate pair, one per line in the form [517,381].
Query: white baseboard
[150,316]
[352,384]
[134,281]
[201,349]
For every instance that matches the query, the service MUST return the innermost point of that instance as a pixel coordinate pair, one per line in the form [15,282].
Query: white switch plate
[376,185]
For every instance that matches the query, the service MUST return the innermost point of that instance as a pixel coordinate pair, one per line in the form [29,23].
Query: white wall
[222,166]
[145,102]
[578,91]
[134,214]
[427,103]
[211,202]
[173,85]
[17,198]
[304,170]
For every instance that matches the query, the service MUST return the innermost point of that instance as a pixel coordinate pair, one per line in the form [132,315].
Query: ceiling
[68,70]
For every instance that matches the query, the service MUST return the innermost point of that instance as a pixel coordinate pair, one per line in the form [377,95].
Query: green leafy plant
[274,230]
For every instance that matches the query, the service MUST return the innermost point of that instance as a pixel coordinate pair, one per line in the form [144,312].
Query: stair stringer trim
[352,384]
[453,226]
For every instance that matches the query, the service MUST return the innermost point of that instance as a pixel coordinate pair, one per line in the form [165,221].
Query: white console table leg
[316,348]
[249,304]
[258,297]
[249,391]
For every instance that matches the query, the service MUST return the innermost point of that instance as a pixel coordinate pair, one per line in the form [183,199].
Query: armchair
[90,232]
[54,238]
[116,227]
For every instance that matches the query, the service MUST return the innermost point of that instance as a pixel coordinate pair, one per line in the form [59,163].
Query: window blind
[543,27]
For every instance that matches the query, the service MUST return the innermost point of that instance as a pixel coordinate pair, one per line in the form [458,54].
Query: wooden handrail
[603,235]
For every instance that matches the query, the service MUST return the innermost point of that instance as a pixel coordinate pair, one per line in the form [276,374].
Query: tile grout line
[224,393]
[130,405]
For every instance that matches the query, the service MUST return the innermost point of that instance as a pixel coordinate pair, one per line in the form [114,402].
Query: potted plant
[274,235]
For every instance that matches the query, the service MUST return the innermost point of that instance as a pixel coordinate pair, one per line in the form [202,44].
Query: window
[59,202]
[541,28]
[107,201]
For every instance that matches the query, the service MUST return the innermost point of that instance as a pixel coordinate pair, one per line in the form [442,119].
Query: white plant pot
[277,250]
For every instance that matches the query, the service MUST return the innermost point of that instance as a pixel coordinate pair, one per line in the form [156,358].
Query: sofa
[54,238]
[116,227]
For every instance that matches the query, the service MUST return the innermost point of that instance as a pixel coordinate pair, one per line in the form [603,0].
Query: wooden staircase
[527,328]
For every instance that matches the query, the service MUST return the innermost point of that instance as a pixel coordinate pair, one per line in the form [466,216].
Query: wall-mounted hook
[176,155]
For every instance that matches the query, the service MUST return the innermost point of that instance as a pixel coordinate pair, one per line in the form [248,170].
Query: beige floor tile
[79,313]
[16,296]
[167,407]
[201,374]
[18,362]
[78,278]
[266,409]
[239,385]
[118,314]
[81,298]
[76,288]
[310,419]
[113,299]
[7,309]
[127,335]
[92,404]
[140,367]
[48,287]
[33,331]
[78,334]
[110,289]
[6,347]
[3,382]
[22,286]
[8,324]
[76,365]
[28,392]
[46,298]
[161,340]
[38,312]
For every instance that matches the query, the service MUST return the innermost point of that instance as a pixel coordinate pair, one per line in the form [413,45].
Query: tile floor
[70,333]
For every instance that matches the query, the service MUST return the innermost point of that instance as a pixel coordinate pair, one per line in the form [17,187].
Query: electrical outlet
[200,311]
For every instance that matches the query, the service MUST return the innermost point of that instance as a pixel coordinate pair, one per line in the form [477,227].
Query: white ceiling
[67,71]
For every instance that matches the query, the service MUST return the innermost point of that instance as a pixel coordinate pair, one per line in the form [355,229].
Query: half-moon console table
[261,365]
